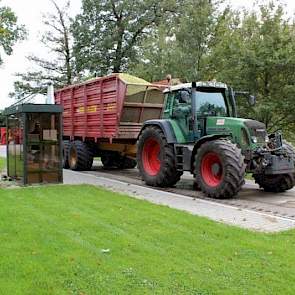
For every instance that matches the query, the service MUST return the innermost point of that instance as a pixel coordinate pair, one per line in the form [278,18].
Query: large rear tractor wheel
[65,151]
[219,168]
[275,183]
[80,156]
[156,159]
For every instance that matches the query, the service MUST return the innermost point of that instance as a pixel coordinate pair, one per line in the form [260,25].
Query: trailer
[103,117]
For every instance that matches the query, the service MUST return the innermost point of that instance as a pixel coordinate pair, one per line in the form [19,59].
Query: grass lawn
[85,240]
[2,163]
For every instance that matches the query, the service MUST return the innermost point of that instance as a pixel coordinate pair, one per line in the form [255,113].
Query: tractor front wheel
[281,182]
[291,153]
[275,183]
[219,168]
[156,159]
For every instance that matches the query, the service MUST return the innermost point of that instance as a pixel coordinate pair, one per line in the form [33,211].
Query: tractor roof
[208,84]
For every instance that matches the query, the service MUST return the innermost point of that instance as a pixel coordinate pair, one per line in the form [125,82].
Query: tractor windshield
[211,104]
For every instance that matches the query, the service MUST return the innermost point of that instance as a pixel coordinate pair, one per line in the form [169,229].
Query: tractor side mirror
[252,100]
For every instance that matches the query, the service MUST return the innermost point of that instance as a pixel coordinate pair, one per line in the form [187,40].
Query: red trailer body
[3,135]
[111,107]
[106,114]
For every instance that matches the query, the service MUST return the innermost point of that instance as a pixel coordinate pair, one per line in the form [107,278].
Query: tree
[256,52]
[193,36]
[155,67]
[60,67]
[180,43]
[10,31]
[108,32]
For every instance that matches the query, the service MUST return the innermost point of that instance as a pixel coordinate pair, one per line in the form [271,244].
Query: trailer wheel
[275,183]
[156,159]
[219,168]
[113,160]
[128,163]
[65,151]
[108,160]
[80,156]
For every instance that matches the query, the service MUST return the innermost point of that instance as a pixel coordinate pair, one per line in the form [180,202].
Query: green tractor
[200,132]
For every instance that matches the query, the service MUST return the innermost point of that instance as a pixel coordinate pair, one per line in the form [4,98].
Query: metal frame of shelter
[34,143]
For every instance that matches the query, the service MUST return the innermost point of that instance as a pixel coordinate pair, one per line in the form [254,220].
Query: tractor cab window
[211,104]
[182,103]
[183,96]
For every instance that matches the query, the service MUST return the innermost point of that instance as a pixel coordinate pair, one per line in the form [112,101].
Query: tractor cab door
[210,103]
[181,112]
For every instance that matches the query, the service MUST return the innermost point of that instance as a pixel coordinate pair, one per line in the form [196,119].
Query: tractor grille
[257,129]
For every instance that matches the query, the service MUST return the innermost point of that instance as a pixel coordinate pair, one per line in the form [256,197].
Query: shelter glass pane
[43,148]
[15,147]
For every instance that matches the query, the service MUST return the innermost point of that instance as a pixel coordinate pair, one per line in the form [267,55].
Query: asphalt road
[250,197]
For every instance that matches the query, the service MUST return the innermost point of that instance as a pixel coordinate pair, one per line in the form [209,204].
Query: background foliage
[189,39]
[10,31]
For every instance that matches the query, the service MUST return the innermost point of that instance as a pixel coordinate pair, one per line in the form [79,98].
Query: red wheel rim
[211,169]
[150,157]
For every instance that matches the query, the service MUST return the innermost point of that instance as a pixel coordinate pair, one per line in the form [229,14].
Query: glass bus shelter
[34,143]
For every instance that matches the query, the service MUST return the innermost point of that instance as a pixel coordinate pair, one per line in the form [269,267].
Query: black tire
[196,186]
[290,151]
[128,163]
[80,156]
[109,160]
[113,160]
[281,182]
[65,151]
[166,174]
[228,162]
[275,183]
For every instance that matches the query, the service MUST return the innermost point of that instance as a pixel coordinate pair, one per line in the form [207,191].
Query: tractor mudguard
[203,140]
[165,126]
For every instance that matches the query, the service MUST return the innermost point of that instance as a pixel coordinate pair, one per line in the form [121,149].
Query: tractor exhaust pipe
[194,110]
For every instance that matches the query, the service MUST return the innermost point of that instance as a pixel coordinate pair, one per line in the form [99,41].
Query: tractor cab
[212,99]
[203,109]
[190,107]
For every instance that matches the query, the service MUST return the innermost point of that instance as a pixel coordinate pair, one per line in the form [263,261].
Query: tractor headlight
[254,139]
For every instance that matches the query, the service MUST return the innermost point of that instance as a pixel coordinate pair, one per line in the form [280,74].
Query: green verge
[86,240]
[2,163]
